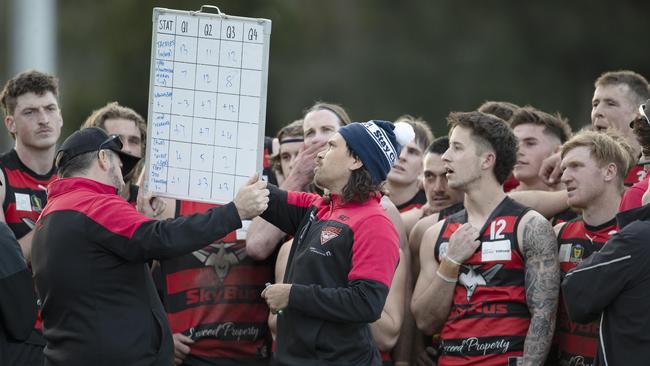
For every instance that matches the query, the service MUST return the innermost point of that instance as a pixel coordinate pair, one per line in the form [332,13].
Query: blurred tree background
[377,58]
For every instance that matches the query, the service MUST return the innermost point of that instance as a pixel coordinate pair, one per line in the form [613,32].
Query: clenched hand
[252,198]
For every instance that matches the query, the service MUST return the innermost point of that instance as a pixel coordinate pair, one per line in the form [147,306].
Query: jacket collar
[627,217]
[64,185]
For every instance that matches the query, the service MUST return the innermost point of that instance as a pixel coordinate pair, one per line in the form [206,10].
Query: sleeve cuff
[297,296]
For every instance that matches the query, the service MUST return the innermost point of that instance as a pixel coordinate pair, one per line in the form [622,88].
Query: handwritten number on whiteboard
[252,34]
[184,26]
[230,32]
[207,30]
[225,162]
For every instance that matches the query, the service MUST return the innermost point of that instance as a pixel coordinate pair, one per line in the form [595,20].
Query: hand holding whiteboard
[207,104]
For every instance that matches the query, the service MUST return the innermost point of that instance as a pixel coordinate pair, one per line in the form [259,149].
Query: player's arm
[547,203]
[280,268]
[400,293]
[434,289]
[386,330]
[538,244]
[410,218]
[415,241]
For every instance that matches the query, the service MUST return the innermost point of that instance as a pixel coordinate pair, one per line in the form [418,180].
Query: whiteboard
[207,104]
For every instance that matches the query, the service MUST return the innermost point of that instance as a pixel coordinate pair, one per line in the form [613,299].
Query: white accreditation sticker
[23,202]
[496,251]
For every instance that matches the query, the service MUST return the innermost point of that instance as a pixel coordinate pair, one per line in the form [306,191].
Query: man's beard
[115,179]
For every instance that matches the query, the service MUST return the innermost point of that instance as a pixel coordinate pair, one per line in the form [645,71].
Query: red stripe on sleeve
[301,199]
[375,251]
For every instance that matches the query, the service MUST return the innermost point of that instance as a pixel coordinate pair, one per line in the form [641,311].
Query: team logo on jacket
[328,233]
[221,257]
[476,277]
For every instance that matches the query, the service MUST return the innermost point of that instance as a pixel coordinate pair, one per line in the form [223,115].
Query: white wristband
[445,278]
[452,260]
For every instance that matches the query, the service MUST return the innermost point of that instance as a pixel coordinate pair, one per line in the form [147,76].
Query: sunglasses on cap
[113,142]
[642,112]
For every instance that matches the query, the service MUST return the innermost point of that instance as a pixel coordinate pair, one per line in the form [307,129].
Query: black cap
[93,139]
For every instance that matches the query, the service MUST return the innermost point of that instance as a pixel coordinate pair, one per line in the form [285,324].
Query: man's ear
[357,164]
[104,160]
[610,172]
[10,123]
[489,159]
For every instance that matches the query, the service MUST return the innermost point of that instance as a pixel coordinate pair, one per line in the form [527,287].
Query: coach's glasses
[113,142]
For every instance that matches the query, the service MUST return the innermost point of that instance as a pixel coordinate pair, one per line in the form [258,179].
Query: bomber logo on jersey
[328,233]
[476,277]
[221,256]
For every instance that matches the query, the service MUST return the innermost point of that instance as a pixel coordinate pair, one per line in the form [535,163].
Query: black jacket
[89,255]
[340,266]
[613,285]
[17,300]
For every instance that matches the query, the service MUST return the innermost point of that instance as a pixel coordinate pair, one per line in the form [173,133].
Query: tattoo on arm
[542,287]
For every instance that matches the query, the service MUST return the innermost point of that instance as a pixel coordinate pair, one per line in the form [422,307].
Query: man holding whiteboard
[90,252]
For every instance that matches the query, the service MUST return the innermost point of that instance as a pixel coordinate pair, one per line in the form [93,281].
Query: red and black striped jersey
[564,216]
[25,193]
[576,343]
[416,201]
[213,296]
[448,211]
[489,316]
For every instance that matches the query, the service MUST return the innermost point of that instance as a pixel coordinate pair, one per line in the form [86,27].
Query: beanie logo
[329,233]
[382,141]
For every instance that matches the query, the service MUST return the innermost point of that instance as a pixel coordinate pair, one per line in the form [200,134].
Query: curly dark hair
[28,81]
[493,133]
[359,187]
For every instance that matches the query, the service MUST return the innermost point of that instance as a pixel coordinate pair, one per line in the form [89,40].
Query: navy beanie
[377,144]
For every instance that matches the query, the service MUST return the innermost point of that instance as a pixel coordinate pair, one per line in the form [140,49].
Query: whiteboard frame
[266,26]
